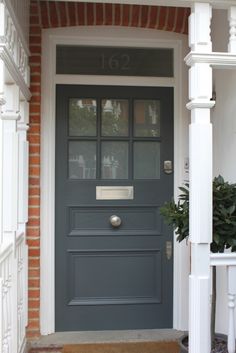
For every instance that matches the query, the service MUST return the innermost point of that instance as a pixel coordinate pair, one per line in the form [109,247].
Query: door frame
[132,37]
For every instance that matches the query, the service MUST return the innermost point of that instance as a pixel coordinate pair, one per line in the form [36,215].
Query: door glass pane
[82,117]
[147,118]
[114,160]
[146,160]
[82,160]
[115,117]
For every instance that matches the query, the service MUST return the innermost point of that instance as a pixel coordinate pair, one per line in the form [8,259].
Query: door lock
[168,169]
[169,250]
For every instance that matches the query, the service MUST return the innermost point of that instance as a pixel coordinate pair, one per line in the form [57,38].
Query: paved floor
[62,338]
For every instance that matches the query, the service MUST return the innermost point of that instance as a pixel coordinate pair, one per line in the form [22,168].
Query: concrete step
[63,338]
[54,343]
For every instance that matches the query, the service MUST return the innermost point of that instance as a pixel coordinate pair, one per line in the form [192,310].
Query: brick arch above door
[53,14]
[48,14]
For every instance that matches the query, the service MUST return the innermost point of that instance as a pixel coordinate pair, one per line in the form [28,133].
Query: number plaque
[85,60]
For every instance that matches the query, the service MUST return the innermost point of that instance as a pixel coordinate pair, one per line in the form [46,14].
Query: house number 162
[115,62]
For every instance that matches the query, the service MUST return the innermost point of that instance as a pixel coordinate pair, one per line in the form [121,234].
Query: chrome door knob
[115,221]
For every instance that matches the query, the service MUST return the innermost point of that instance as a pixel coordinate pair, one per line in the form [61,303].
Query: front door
[113,251]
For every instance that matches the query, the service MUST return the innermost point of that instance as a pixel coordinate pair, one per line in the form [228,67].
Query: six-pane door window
[114,138]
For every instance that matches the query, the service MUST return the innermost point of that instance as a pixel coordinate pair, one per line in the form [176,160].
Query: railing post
[231,272]
[22,249]
[22,127]
[9,117]
[200,177]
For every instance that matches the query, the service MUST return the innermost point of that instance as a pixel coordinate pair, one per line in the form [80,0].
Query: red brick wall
[49,14]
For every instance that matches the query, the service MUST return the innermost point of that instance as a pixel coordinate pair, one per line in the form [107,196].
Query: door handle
[115,221]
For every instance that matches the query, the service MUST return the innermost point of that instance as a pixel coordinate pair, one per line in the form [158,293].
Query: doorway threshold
[83,337]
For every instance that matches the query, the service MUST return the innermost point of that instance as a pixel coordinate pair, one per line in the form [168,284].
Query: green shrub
[223,225]
[224,215]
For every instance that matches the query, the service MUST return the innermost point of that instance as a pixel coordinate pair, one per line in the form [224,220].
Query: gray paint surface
[107,278]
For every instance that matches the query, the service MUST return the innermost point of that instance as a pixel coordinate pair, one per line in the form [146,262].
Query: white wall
[224,137]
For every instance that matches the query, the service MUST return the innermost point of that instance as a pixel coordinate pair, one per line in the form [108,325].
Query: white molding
[47,196]
[113,80]
[198,103]
[220,4]
[217,60]
[223,259]
[102,36]
[14,71]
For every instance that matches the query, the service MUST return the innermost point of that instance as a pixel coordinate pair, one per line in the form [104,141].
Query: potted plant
[224,226]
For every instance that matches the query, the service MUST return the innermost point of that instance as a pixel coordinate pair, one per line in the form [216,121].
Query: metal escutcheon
[169,250]
[168,169]
[115,221]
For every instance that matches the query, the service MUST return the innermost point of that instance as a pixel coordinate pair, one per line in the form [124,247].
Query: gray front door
[110,277]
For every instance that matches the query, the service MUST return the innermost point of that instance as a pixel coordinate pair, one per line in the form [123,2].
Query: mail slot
[114,192]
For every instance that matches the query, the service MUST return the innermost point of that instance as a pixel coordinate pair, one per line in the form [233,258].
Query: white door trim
[101,36]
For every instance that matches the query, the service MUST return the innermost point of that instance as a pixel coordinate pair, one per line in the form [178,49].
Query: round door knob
[115,221]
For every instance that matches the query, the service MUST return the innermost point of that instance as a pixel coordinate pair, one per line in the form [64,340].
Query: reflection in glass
[82,160]
[147,118]
[146,160]
[114,160]
[82,117]
[115,117]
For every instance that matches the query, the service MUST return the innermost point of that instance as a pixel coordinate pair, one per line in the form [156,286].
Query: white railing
[13,305]
[12,45]
[229,260]
[21,13]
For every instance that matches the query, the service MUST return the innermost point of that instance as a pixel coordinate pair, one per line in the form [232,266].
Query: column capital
[8,115]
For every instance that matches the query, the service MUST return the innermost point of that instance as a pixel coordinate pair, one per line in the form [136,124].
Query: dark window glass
[85,60]
[82,117]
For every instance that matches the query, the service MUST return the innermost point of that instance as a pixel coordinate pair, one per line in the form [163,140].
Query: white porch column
[232,29]
[2,102]
[200,154]
[10,115]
